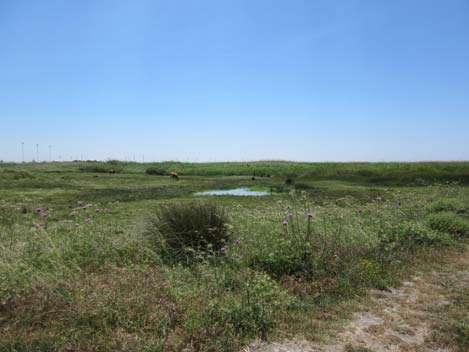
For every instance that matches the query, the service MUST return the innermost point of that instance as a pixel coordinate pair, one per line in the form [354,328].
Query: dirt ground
[408,318]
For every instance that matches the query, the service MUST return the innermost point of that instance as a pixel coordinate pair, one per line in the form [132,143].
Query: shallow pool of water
[237,192]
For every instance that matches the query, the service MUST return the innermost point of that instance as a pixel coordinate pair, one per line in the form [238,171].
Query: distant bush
[187,231]
[447,204]
[115,162]
[108,167]
[156,171]
[448,222]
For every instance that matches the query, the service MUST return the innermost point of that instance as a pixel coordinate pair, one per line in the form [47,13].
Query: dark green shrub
[156,171]
[186,231]
[449,223]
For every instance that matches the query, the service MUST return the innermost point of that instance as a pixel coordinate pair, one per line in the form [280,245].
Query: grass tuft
[183,232]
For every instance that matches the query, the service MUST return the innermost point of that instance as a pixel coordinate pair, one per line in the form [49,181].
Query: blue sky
[235,80]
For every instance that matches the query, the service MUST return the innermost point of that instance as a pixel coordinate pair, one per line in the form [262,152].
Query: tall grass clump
[183,232]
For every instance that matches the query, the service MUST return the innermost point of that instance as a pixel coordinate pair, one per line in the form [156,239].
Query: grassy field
[86,264]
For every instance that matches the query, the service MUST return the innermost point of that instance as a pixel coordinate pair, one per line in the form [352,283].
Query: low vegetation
[452,329]
[99,261]
[447,204]
[110,167]
[450,223]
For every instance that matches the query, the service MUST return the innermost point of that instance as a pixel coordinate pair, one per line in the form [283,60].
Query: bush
[102,168]
[447,204]
[448,222]
[156,171]
[186,231]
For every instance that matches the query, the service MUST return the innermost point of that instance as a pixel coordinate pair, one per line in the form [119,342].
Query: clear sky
[207,80]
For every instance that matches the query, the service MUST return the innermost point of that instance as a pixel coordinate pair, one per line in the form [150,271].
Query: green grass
[78,270]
